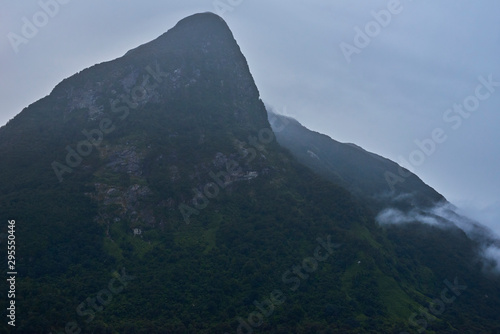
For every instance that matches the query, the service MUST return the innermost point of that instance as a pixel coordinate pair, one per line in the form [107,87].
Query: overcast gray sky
[381,74]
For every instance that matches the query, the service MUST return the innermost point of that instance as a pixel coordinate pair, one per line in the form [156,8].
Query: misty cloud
[445,215]
[492,256]
[395,216]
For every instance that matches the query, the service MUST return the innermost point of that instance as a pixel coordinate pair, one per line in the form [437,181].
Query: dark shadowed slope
[367,175]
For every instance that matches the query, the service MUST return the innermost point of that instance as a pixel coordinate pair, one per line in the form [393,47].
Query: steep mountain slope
[150,196]
[368,176]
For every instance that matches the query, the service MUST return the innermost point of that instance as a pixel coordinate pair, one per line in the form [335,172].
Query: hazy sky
[381,74]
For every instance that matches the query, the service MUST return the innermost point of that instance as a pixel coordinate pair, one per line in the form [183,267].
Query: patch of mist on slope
[445,215]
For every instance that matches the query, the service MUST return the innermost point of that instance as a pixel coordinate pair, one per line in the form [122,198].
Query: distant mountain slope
[367,175]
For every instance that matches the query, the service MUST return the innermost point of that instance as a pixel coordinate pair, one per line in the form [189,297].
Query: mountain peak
[202,26]
[202,18]
[205,31]
[198,64]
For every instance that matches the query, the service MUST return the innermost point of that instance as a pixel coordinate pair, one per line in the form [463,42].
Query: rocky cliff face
[197,55]
[192,82]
